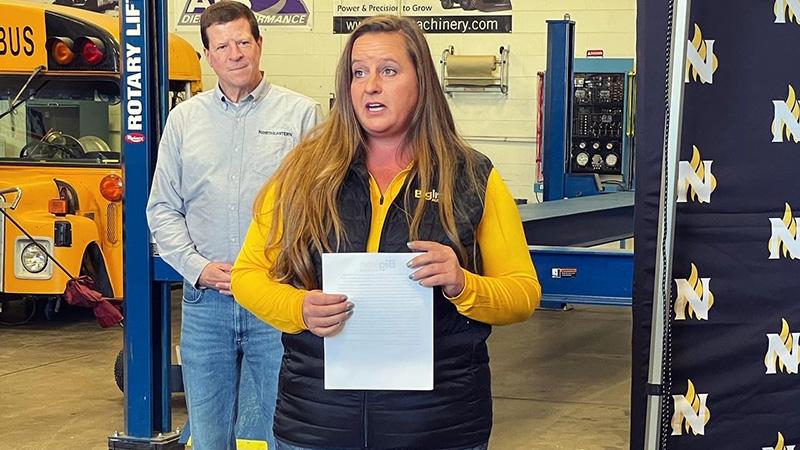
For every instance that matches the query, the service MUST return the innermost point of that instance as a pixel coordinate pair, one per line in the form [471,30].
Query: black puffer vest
[458,412]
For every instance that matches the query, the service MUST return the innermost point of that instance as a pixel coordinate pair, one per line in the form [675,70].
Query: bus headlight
[33,259]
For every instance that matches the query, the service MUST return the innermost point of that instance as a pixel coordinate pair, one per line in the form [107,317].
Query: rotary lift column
[557,106]
[144,87]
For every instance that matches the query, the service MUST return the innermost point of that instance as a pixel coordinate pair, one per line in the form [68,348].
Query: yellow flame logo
[697,287]
[784,11]
[780,445]
[779,127]
[699,169]
[786,339]
[685,305]
[791,225]
[694,400]
[700,46]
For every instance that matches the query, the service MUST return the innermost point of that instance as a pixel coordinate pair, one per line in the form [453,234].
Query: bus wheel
[119,371]
[17,311]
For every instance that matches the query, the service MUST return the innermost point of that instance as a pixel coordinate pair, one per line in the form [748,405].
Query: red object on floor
[82,292]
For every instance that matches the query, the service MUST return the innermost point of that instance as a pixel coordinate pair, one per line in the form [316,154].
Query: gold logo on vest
[783,241]
[780,445]
[787,118]
[783,351]
[701,61]
[695,180]
[431,196]
[787,10]
[691,413]
[694,297]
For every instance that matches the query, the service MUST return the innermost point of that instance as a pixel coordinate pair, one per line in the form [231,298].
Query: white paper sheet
[388,341]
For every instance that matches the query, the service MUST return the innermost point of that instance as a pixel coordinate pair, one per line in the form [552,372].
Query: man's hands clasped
[217,275]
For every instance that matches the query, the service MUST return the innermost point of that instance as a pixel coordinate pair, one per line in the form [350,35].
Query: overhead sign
[432,16]
[284,13]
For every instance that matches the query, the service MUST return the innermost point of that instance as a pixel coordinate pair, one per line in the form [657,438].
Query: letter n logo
[787,9]
[702,62]
[694,295]
[787,118]
[695,180]
[691,413]
[783,242]
[783,351]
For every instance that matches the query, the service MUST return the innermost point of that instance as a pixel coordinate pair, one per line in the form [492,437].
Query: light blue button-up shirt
[213,158]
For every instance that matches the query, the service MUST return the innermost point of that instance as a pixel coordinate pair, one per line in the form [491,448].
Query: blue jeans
[284,446]
[216,334]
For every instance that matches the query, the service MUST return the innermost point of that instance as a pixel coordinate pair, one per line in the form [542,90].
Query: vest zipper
[381,200]
[366,440]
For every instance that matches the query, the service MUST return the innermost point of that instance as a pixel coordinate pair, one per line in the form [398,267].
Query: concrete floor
[560,381]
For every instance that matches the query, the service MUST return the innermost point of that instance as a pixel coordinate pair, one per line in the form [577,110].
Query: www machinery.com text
[439,24]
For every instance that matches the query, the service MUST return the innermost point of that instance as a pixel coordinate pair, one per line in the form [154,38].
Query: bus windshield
[60,121]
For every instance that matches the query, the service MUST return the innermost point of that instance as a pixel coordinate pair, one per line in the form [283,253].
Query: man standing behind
[217,150]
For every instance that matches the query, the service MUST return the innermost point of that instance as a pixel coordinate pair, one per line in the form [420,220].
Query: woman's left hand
[437,267]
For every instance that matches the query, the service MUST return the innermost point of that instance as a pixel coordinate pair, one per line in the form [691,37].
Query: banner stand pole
[657,389]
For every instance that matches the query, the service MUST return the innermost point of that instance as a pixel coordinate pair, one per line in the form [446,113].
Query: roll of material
[471,70]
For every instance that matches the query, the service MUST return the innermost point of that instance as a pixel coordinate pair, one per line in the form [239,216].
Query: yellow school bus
[60,165]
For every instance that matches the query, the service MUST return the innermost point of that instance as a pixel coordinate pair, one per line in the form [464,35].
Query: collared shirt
[213,159]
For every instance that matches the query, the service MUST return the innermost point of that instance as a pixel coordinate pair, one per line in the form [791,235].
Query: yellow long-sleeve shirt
[507,292]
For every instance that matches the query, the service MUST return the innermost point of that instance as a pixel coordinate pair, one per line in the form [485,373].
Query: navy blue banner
[733,378]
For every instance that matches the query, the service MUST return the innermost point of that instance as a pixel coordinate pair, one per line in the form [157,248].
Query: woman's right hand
[325,314]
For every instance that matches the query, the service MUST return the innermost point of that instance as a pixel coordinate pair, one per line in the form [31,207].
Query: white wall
[502,127]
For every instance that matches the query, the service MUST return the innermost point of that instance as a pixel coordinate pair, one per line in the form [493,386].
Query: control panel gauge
[598,123]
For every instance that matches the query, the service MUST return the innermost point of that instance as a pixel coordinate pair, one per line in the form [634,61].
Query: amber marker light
[61,50]
[111,188]
[57,206]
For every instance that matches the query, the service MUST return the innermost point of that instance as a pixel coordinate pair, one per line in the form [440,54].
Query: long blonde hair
[308,182]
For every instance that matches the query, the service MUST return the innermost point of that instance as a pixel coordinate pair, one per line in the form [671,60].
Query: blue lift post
[161,290]
[150,376]
[144,86]
[557,107]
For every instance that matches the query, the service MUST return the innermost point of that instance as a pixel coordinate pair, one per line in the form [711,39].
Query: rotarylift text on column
[133,74]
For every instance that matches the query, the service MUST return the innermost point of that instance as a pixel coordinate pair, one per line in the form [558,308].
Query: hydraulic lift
[574,214]
[145,79]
